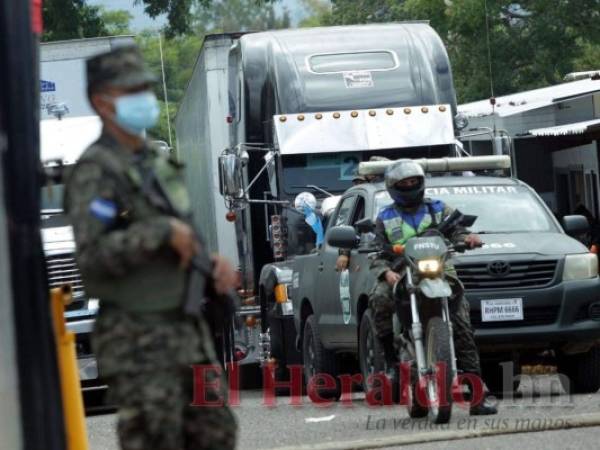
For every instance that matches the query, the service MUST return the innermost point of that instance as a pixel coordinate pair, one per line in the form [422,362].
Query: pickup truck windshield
[499,209]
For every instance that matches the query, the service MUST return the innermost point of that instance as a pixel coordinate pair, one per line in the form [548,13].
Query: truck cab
[62,142]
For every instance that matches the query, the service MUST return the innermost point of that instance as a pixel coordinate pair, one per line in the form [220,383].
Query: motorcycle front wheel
[438,385]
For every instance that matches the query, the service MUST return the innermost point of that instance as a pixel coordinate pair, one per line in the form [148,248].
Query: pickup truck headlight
[93,304]
[580,267]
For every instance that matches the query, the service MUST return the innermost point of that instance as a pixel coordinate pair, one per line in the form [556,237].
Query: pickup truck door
[328,288]
[358,272]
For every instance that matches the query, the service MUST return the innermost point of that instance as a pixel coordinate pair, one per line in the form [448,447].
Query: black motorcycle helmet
[406,196]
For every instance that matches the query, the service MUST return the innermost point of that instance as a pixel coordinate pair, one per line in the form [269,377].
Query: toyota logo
[498,269]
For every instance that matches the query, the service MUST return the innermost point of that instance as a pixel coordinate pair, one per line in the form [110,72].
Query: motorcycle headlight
[580,267]
[429,266]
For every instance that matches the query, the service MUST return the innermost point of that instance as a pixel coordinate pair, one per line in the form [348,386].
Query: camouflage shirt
[124,255]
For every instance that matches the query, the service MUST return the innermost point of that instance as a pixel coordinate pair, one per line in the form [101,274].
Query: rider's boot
[483,408]
[481,405]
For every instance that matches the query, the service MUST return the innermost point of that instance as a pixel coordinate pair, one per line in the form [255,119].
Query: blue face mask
[137,112]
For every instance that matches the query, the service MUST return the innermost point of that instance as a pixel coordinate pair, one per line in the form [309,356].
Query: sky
[141,20]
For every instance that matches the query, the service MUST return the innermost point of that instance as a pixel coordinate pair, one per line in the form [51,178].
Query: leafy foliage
[71,19]
[116,22]
[180,13]
[532,42]
[180,52]
[179,56]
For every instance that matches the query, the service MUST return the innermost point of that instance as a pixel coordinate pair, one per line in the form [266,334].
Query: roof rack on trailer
[470,163]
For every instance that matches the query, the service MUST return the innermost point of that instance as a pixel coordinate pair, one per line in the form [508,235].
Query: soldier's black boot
[484,408]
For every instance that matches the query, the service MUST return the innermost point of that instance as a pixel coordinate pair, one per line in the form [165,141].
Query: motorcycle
[422,327]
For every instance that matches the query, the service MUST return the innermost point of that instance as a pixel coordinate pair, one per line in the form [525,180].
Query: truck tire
[492,374]
[437,351]
[319,360]
[370,351]
[582,371]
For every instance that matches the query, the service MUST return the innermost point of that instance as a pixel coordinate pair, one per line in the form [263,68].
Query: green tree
[71,19]
[319,13]
[179,57]
[181,52]
[116,21]
[179,11]
[533,43]
[238,15]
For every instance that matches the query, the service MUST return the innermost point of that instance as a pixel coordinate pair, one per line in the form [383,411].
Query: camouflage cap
[121,67]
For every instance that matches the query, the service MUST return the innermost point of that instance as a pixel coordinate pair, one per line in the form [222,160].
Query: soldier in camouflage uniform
[130,213]
[410,215]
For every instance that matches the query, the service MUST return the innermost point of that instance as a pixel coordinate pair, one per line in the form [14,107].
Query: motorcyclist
[410,215]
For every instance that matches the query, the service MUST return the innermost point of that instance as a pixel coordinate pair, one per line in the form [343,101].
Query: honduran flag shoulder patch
[104,210]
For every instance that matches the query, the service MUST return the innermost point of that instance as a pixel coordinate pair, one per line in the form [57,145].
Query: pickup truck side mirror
[365,225]
[343,236]
[575,225]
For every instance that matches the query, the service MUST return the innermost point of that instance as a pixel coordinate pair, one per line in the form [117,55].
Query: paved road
[541,405]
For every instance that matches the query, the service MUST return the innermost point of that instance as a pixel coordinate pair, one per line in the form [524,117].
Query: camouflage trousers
[155,413]
[381,302]
[146,359]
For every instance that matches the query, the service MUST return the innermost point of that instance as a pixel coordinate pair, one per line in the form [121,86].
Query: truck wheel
[492,373]
[370,351]
[439,387]
[582,372]
[319,360]
[372,359]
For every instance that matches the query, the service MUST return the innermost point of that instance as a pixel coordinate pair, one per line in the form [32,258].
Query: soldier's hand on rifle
[223,274]
[392,277]
[183,241]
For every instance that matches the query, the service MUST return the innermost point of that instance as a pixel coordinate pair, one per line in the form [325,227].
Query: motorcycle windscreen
[419,248]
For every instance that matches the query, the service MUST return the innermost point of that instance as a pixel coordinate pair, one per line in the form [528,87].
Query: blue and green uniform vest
[400,226]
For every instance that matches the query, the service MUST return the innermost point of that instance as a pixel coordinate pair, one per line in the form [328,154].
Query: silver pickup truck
[59,248]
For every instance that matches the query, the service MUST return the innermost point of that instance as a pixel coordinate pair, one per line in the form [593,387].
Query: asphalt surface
[541,416]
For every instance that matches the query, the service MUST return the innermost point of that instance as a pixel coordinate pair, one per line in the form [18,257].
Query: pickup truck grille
[62,270]
[522,274]
[532,316]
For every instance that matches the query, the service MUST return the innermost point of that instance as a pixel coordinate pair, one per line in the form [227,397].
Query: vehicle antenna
[162,67]
[489,57]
